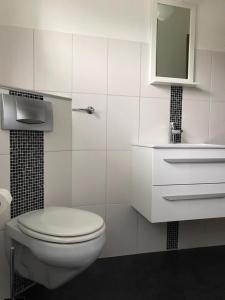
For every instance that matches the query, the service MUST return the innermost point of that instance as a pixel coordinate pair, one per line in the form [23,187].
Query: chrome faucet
[174,132]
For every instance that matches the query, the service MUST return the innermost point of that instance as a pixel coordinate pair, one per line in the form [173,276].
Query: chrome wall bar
[90,110]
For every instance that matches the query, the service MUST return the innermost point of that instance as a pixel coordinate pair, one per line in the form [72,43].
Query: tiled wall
[132,111]
[111,75]
[204,108]
[108,75]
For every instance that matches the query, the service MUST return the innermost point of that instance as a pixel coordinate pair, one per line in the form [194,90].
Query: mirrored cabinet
[172,48]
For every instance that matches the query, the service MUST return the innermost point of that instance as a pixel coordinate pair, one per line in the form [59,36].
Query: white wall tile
[89,130]
[4,139]
[52,61]
[191,234]
[16,57]
[124,68]
[201,233]
[195,121]
[121,222]
[61,136]
[97,209]
[203,71]
[59,94]
[89,177]
[151,237]
[90,64]
[119,177]
[218,75]
[58,174]
[216,125]
[4,91]
[5,171]
[4,267]
[154,120]
[149,90]
[123,122]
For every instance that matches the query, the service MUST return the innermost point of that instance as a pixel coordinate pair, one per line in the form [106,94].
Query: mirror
[173,36]
[172,46]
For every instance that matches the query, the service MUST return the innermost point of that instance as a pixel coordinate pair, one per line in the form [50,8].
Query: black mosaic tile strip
[26,174]
[25,94]
[21,284]
[172,235]
[176,117]
[26,171]
[176,109]
[26,167]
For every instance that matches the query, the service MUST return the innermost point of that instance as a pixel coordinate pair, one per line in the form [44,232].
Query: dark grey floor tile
[197,274]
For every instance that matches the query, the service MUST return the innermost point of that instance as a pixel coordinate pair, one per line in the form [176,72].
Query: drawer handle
[195,197]
[194,160]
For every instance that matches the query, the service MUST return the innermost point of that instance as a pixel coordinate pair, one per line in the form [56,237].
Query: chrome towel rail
[90,110]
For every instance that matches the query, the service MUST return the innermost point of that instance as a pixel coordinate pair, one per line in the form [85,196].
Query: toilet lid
[61,222]
[62,240]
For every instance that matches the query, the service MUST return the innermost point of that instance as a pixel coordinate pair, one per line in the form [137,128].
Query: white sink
[180,146]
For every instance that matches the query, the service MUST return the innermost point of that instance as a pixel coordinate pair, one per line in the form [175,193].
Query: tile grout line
[106,133]
[210,98]
[94,93]
[72,68]
[33,58]
[72,79]
[139,121]
[139,131]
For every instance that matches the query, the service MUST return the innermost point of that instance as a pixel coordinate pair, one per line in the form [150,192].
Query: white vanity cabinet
[177,182]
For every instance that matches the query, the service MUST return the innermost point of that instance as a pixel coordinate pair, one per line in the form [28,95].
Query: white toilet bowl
[55,244]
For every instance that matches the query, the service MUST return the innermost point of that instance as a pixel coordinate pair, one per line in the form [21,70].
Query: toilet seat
[62,240]
[61,225]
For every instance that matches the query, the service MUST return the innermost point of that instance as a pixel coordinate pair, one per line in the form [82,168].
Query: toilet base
[28,266]
[49,264]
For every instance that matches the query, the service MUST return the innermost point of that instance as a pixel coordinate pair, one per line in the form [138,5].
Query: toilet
[54,244]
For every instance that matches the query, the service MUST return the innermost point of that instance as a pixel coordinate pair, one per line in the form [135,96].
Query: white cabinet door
[188,166]
[187,202]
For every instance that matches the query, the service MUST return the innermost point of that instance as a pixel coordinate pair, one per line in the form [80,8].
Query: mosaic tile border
[176,117]
[176,109]
[26,171]
[172,235]
[26,175]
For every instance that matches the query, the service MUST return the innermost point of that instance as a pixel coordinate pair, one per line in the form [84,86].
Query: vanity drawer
[187,202]
[188,166]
